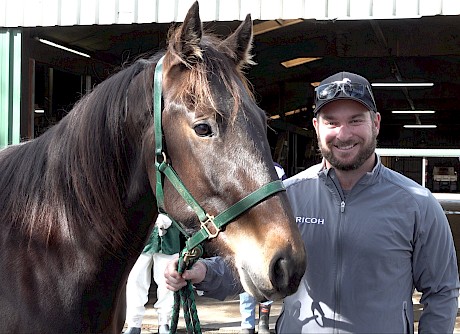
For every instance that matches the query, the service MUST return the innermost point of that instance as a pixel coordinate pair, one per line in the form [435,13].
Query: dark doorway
[56,91]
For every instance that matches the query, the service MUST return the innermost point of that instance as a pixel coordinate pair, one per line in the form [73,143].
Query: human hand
[163,222]
[176,281]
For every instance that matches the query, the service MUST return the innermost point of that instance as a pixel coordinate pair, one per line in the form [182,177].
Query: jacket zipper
[339,261]
[339,269]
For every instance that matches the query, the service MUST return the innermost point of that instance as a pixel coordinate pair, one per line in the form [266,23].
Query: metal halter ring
[193,254]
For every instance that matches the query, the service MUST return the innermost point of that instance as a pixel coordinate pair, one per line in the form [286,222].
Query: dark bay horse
[77,203]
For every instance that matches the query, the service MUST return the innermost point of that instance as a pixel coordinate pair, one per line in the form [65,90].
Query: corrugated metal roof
[30,13]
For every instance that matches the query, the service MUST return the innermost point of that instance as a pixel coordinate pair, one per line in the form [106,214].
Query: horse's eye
[203,130]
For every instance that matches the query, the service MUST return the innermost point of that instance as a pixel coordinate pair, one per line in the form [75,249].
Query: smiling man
[383,234]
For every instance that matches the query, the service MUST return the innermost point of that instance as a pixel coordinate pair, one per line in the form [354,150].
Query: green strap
[171,174]
[162,167]
[235,210]
[224,217]
[157,90]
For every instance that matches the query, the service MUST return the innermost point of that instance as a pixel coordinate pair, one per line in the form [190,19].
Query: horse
[77,204]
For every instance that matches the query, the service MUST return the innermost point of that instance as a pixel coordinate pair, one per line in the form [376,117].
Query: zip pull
[342,207]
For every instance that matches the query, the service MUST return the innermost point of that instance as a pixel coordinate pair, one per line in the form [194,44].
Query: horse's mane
[78,171]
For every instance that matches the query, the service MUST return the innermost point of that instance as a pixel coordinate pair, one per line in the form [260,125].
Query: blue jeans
[248,310]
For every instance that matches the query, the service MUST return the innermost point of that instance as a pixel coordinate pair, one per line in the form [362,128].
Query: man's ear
[315,124]
[377,120]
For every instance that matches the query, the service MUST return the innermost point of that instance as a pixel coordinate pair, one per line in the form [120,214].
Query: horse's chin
[255,285]
[253,282]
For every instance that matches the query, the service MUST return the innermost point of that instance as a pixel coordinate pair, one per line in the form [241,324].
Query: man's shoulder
[406,184]
[307,174]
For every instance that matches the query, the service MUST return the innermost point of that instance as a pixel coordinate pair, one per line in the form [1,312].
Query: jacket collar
[368,178]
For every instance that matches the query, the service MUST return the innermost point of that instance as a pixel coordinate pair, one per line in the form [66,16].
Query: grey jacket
[366,252]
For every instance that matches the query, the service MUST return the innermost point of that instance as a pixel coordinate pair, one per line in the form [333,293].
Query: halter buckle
[204,225]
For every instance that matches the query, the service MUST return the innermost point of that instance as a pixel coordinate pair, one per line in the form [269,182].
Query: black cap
[366,98]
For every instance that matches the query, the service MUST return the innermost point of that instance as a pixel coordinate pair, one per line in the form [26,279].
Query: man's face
[347,135]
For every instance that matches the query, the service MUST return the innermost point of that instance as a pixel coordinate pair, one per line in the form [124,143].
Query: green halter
[193,249]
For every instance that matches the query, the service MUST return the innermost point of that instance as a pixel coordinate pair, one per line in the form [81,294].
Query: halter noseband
[208,221]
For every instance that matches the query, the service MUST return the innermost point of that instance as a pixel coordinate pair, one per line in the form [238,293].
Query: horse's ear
[188,45]
[241,42]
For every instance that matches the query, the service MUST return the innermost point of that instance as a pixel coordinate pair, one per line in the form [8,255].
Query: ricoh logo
[309,220]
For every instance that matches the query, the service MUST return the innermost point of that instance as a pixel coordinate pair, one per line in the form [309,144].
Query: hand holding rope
[186,295]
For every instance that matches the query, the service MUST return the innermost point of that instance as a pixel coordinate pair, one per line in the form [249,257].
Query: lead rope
[186,298]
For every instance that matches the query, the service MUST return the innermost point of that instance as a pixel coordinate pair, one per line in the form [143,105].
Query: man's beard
[360,159]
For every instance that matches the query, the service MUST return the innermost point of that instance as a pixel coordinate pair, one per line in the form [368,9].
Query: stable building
[54,51]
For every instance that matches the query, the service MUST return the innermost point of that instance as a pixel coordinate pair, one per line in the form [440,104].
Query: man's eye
[203,130]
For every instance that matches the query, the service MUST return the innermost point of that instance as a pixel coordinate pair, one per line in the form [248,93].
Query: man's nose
[344,132]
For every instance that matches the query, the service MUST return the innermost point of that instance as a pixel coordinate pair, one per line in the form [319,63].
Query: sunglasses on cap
[331,90]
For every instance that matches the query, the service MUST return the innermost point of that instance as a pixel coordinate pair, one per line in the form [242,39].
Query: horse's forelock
[216,59]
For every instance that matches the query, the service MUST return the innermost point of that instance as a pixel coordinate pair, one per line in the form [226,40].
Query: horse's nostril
[285,275]
[281,274]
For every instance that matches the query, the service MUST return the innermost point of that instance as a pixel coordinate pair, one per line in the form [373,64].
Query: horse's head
[215,138]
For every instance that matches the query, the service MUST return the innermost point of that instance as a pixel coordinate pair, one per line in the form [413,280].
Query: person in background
[280,171]
[160,249]
[248,303]
[371,234]
[248,315]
